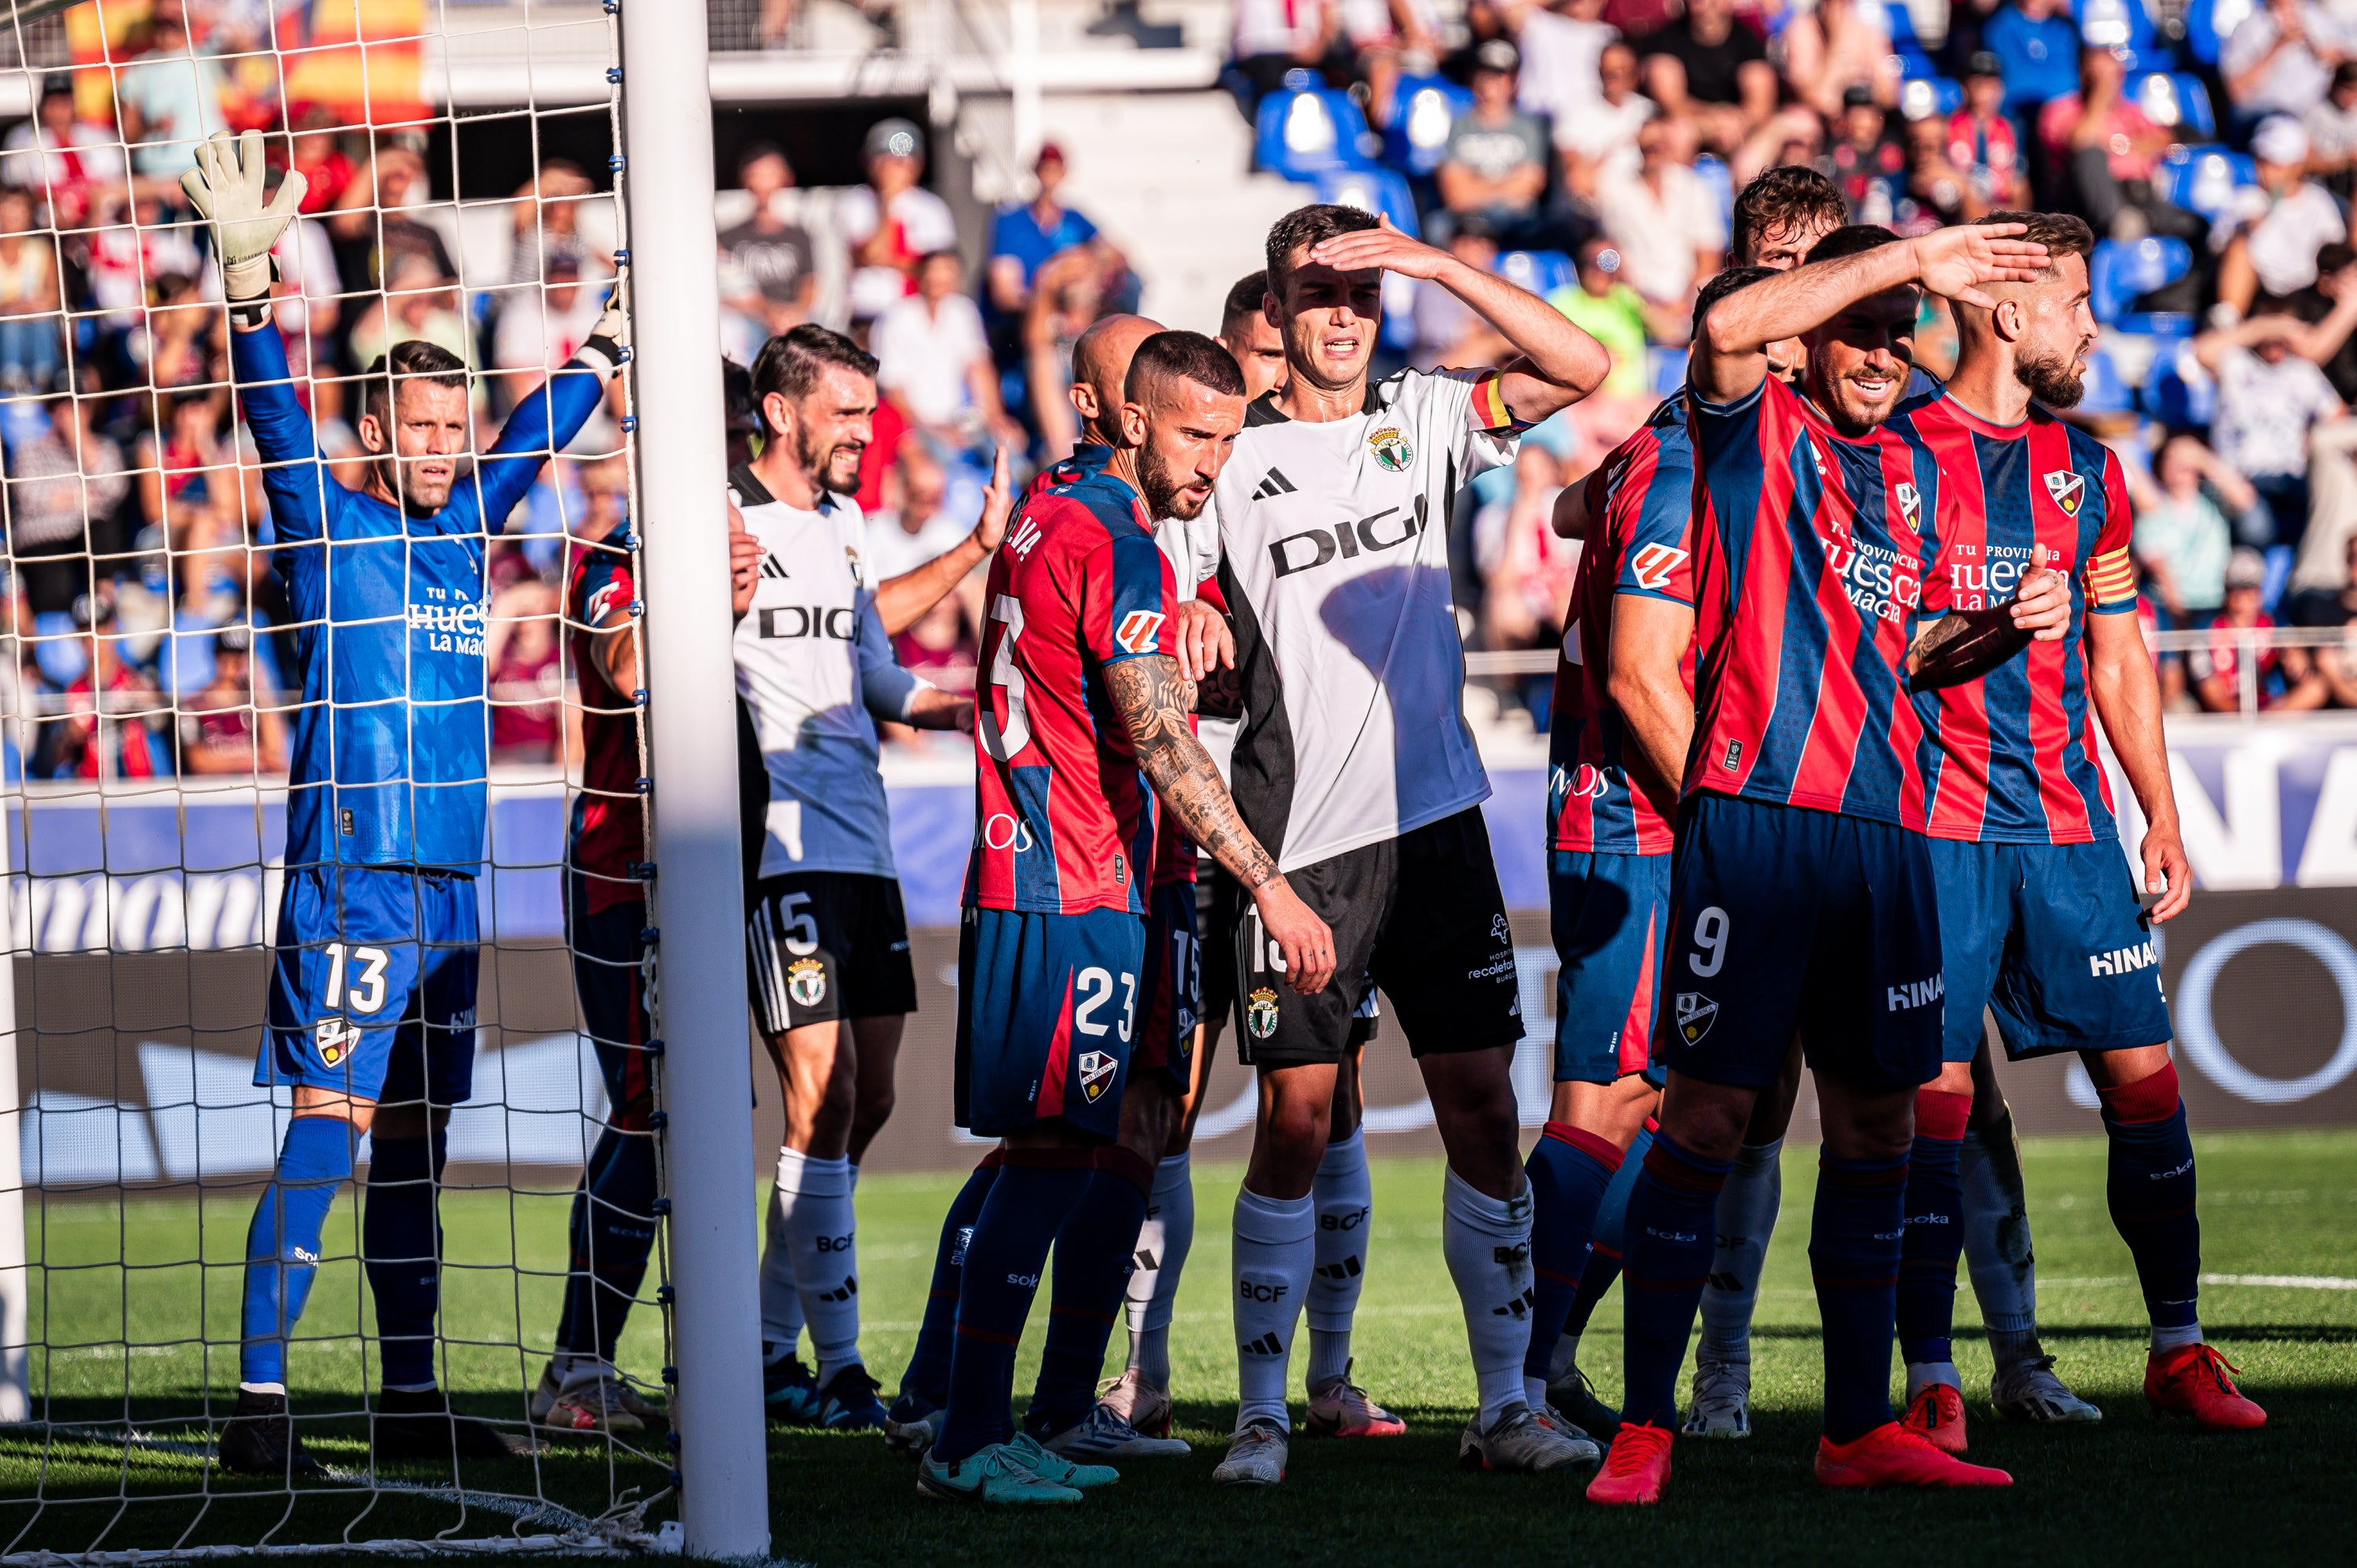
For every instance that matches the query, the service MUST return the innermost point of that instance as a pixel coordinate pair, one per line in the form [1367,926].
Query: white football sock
[1996,1240]
[1163,1243]
[1276,1248]
[1343,1199]
[1564,1357]
[781,1303]
[815,1215]
[1746,1219]
[1921,1375]
[1487,1241]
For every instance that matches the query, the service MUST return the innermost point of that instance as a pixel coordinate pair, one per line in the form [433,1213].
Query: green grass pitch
[2132,1489]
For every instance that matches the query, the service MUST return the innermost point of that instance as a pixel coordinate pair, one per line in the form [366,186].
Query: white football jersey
[1335,545]
[813,664]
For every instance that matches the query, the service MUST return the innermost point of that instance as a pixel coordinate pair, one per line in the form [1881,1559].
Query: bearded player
[2040,922]
[1801,891]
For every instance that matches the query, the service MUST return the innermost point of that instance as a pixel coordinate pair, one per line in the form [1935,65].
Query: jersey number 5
[1005,740]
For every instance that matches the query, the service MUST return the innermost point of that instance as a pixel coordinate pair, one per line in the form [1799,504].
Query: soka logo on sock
[1096,1075]
[1697,1014]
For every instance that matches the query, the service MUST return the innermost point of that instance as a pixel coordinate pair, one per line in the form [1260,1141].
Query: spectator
[546,216]
[768,270]
[2284,679]
[417,303]
[29,299]
[306,309]
[2280,61]
[64,485]
[227,727]
[1066,297]
[540,328]
[935,362]
[1842,46]
[2335,663]
[167,100]
[1663,220]
[2268,396]
[319,152]
[1981,139]
[1448,331]
[2330,307]
[2037,46]
[524,673]
[1526,570]
[1603,305]
[1938,192]
[1601,142]
[102,729]
[1274,36]
[135,245]
[914,528]
[2182,539]
[2318,573]
[59,159]
[2104,148]
[1378,35]
[2270,239]
[1495,163]
[1867,165]
[2331,129]
[891,223]
[1562,46]
[1705,67]
[370,223]
[1025,236]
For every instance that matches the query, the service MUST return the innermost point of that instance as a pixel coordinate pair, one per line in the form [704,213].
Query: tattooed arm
[1152,700]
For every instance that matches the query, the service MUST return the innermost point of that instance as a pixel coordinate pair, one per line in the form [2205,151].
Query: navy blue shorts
[1047,1009]
[1171,995]
[1609,914]
[2051,938]
[1783,918]
[610,972]
[372,984]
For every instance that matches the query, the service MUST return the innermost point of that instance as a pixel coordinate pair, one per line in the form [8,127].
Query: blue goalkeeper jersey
[390,747]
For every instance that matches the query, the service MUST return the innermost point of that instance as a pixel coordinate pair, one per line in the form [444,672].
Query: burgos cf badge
[1138,632]
[1096,1075]
[806,982]
[2067,490]
[1260,1014]
[1391,449]
[335,1038]
[1911,503]
[1697,1014]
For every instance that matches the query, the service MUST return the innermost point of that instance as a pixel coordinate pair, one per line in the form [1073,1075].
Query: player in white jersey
[828,940]
[1355,765]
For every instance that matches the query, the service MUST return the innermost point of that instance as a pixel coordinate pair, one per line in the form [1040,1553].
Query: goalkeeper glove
[226,187]
[602,353]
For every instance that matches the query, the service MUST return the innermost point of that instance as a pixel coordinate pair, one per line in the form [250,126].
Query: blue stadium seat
[2104,392]
[2177,391]
[1666,370]
[2210,23]
[2119,271]
[1715,175]
[1914,58]
[2202,178]
[1541,271]
[2114,23]
[1301,130]
[1383,190]
[2175,101]
[1921,97]
[1422,108]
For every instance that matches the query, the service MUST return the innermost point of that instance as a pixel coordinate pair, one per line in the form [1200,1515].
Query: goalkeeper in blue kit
[371,1006]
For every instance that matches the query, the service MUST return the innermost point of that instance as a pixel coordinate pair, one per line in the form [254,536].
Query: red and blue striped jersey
[2010,757]
[1064,821]
[1814,560]
[1640,501]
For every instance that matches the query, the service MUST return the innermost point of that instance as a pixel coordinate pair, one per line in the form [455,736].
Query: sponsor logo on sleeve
[1652,566]
[1140,631]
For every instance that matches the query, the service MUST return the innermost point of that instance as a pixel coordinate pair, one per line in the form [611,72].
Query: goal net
[245,697]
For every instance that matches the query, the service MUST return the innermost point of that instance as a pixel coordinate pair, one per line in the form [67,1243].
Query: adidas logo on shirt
[773,567]
[1273,483]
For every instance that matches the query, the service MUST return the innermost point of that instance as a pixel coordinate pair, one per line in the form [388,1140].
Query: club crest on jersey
[1391,449]
[2068,490]
[1911,503]
[1139,630]
[1697,1014]
[1260,1016]
[335,1038]
[1096,1075]
[1652,566]
[806,982]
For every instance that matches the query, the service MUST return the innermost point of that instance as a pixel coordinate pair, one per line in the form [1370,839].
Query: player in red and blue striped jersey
[1800,887]
[2039,920]
[1080,707]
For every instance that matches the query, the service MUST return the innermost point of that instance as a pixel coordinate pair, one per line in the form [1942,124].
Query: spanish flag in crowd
[360,60]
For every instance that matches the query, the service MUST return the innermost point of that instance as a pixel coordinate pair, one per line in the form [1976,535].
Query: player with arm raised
[2038,921]
[827,937]
[1801,893]
[1356,767]
[372,1010]
[1053,939]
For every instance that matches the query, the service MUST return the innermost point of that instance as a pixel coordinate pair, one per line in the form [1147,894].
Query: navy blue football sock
[401,1239]
[1935,1227]
[1854,1245]
[1095,1253]
[1666,1256]
[1028,1206]
[282,1244]
[612,1232]
[928,1377]
[2151,1189]
[1604,1245]
[1569,1170]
